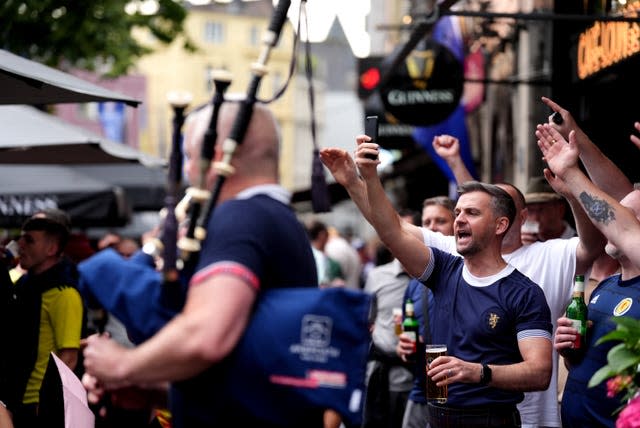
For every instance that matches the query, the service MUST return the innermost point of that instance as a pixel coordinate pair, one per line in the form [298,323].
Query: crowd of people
[490,275]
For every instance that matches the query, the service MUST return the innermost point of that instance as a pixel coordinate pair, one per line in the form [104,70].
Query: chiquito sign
[426,88]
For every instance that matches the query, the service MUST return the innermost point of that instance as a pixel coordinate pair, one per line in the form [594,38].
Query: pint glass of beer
[435,394]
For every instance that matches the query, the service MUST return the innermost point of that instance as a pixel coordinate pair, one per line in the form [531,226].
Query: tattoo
[597,209]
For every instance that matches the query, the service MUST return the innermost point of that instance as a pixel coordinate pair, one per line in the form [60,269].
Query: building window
[213,32]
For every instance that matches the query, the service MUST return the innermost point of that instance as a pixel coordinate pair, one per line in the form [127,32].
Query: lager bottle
[410,327]
[577,312]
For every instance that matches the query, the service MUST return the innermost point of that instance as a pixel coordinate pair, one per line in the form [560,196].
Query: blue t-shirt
[583,406]
[260,239]
[485,320]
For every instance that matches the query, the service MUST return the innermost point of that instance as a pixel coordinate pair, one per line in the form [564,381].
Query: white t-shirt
[551,265]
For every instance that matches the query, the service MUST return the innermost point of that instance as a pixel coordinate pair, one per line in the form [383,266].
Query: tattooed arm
[602,171]
[618,223]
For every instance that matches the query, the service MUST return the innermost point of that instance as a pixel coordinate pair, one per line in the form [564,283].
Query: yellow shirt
[60,328]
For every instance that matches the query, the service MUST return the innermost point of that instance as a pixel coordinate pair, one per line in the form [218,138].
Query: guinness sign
[426,88]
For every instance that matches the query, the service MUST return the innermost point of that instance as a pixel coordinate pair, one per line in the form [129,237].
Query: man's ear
[524,213]
[53,247]
[502,224]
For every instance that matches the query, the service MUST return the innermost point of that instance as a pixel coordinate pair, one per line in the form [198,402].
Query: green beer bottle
[577,312]
[410,327]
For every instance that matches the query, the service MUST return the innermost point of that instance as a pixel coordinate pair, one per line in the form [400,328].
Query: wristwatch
[485,374]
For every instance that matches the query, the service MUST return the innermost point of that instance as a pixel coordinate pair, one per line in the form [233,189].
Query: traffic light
[368,75]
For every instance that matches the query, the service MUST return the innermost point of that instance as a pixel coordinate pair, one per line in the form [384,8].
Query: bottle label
[577,324]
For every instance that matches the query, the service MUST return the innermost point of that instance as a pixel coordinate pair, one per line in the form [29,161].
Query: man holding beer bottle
[614,296]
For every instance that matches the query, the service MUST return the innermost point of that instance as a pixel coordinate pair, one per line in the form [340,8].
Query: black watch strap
[485,375]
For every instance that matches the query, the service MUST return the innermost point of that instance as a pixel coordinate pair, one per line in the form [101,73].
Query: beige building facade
[230,38]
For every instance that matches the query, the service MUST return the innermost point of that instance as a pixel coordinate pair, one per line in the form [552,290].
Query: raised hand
[559,155]
[568,122]
[447,147]
[364,154]
[340,165]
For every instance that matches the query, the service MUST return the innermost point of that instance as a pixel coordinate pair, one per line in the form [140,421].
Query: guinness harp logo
[420,67]
[493,320]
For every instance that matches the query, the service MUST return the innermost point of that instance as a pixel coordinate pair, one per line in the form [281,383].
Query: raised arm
[592,241]
[617,223]
[604,173]
[404,244]
[448,148]
[344,170]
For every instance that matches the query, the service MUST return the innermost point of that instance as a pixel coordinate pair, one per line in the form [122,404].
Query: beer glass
[435,393]
[397,320]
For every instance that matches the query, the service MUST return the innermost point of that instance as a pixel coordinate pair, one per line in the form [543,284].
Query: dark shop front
[596,75]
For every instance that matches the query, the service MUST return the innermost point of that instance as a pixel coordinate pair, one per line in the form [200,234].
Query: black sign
[391,133]
[426,87]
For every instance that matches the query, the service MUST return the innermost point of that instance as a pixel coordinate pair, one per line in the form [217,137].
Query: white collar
[477,281]
[274,191]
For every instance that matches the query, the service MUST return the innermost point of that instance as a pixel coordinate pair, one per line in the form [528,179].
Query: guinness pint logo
[426,88]
[623,307]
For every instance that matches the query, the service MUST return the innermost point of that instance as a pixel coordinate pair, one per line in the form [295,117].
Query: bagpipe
[317,339]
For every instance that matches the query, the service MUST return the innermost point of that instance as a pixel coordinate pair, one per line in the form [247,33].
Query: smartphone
[371,129]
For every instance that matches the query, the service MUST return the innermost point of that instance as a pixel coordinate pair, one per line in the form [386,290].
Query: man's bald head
[256,156]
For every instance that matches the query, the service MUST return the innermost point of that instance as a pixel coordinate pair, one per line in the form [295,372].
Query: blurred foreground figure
[254,243]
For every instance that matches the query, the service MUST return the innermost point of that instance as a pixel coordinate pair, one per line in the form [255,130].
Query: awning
[30,136]
[23,81]
[24,189]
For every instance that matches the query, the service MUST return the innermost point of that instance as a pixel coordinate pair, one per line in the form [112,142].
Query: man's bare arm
[402,243]
[532,374]
[617,223]
[592,241]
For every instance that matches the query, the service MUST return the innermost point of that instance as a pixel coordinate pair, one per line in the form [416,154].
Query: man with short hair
[47,310]
[494,320]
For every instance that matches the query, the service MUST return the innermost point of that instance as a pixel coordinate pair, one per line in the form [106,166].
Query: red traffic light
[370,78]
